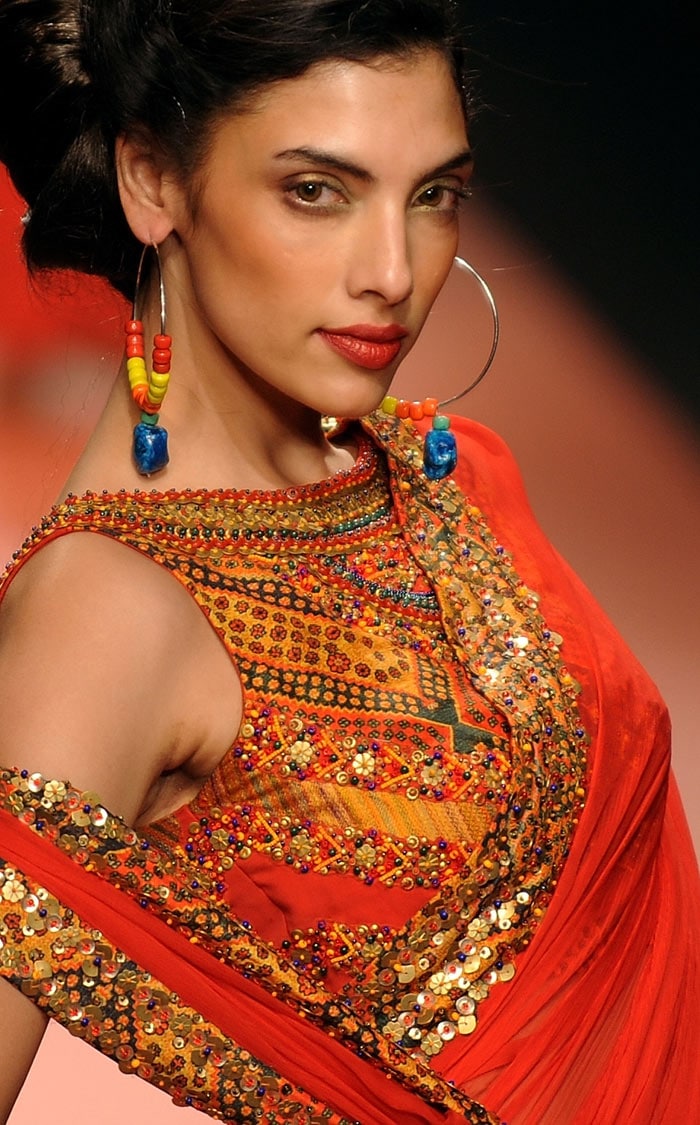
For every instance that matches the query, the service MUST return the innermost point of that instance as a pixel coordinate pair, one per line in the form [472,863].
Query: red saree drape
[600,1021]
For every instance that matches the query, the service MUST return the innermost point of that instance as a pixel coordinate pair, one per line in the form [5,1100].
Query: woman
[389,834]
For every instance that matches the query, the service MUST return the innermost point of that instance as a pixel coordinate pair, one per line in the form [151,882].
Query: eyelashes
[315,195]
[443,197]
[318,195]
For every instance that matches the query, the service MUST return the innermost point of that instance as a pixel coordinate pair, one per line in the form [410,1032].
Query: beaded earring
[440,448]
[148,391]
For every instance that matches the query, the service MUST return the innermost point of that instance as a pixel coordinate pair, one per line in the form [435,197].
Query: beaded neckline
[345,504]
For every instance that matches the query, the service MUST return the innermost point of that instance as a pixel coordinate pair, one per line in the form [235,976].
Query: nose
[380,262]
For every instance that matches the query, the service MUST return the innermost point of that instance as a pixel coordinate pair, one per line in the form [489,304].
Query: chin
[352,415]
[352,406]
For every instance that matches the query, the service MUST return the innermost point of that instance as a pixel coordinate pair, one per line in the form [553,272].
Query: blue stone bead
[439,454]
[150,448]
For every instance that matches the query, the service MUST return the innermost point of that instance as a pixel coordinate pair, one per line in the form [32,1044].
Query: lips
[367,345]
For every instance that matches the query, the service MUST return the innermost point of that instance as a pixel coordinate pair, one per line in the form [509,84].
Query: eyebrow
[339,164]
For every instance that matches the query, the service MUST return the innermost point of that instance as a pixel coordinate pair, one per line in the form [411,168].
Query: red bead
[402,408]
[140,397]
[134,338]
[162,355]
[161,368]
[430,407]
[134,326]
[134,350]
[415,411]
[162,341]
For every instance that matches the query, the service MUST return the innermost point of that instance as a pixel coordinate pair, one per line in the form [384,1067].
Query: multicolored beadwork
[150,446]
[440,447]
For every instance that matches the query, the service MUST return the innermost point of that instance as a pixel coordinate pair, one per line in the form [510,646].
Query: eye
[441,197]
[316,194]
[309,192]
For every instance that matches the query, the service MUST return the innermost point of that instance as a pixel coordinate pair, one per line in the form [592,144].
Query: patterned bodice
[407,771]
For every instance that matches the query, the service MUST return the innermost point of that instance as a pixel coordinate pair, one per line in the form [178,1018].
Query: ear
[149,195]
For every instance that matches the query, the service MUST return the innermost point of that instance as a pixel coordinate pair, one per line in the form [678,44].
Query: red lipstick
[367,345]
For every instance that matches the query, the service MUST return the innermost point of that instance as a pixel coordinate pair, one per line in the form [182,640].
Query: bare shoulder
[102,654]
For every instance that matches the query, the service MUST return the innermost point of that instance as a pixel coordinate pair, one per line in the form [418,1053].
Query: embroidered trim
[425,986]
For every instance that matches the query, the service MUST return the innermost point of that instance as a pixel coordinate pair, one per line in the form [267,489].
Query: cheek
[433,239]
[254,294]
[230,269]
[259,259]
[432,273]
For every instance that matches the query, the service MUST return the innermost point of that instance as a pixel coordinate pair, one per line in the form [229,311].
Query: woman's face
[324,223]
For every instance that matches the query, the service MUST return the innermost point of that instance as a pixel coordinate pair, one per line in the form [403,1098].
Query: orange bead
[415,411]
[162,341]
[140,396]
[430,407]
[402,408]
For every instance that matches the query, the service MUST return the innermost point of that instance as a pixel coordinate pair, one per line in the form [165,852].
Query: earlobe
[144,189]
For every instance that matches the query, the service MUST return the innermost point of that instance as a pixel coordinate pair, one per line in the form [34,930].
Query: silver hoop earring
[440,448]
[150,446]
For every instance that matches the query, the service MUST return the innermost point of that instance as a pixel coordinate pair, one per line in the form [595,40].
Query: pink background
[612,471]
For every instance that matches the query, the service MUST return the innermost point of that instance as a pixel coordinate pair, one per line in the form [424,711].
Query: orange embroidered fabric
[395,814]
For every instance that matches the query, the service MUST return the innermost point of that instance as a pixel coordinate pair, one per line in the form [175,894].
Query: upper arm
[22,1026]
[100,667]
[101,653]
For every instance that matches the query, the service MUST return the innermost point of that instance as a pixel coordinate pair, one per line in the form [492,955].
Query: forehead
[378,108]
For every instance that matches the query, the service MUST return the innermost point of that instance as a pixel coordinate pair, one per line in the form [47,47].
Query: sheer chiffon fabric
[600,1022]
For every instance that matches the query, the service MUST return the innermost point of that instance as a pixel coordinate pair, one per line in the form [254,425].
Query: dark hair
[75,74]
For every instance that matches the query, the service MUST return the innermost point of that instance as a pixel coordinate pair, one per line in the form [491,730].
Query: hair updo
[75,74]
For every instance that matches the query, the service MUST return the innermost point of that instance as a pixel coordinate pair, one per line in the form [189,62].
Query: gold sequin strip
[75,975]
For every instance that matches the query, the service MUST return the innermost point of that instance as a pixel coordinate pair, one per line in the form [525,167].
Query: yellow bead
[389,404]
[136,370]
[159,380]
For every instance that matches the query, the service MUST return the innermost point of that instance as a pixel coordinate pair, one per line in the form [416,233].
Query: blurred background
[582,224]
